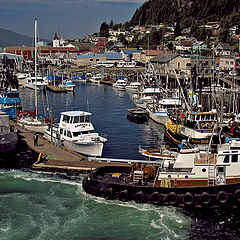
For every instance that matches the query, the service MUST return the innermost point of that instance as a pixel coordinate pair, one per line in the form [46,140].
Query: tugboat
[195,179]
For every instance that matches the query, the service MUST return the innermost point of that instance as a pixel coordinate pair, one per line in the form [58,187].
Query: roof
[76,113]
[90,55]
[113,56]
[108,55]
[164,58]
[131,51]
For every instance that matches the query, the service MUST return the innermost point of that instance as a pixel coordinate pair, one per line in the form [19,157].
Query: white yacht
[40,82]
[96,78]
[120,84]
[76,132]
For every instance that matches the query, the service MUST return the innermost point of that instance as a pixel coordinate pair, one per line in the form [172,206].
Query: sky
[71,18]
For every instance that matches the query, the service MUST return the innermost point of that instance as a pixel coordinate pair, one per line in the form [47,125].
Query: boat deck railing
[129,161]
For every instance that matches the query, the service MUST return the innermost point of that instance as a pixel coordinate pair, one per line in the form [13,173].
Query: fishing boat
[133,87]
[194,179]
[8,134]
[27,119]
[68,85]
[195,127]
[10,102]
[76,133]
[138,115]
[158,111]
[147,96]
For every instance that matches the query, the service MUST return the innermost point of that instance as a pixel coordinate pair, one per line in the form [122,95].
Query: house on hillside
[199,46]
[184,46]
[227,63]
[223,49]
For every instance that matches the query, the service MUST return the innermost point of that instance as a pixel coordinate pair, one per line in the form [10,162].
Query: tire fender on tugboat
[123,196]
[205,198]
[188,198]
[172,198]
[108,194]
[222,197]
[139,197]
[237,195]
[155,198]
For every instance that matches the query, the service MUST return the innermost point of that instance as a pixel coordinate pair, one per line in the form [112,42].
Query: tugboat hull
[113,183]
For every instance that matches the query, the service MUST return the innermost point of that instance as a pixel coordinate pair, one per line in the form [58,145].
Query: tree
[224,35]
[104,30]
[177,30]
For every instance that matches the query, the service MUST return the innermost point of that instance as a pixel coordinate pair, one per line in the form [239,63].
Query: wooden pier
[57,158]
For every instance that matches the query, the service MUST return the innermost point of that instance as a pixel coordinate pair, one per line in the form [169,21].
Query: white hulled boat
[159,111]
[76,132]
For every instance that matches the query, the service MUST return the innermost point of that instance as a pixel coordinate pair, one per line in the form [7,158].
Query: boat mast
[35,63]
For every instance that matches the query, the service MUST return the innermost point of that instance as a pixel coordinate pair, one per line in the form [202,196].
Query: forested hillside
[227,12]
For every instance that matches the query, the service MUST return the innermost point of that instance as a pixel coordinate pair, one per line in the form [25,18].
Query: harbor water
[38,205]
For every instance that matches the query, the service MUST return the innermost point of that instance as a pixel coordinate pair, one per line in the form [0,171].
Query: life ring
[123,196]
[188,198]
[139,197]
[222,197]
[108,194]
[172,198]
[237,195]
[155,198]
[205,198]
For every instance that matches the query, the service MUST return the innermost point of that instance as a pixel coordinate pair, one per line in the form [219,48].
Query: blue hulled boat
[10,102]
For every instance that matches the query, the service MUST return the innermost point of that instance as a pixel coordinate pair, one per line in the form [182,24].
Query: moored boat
[76,133]
[137,115]
[8,134]
[195,179]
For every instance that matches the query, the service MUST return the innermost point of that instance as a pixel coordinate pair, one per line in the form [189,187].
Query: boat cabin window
[66,118]
[61,131]
[87,119]
[198,117]
[75,134]
[85,132]
[82,119]
[76,119]
[235,158]
[69,134]
[226,159]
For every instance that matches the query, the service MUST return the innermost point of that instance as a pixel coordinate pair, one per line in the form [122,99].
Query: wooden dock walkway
[54,158]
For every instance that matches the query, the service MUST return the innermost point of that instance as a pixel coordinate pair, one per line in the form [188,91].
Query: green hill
[227,12]
[10,38]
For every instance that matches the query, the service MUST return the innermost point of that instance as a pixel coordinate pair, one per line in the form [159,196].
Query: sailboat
[27,119]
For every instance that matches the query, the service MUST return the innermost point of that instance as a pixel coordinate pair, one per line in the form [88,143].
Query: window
[81,118]
[75,134]
[66,119]
[234,158]
[69,134]
[87,119]
[76,119]
[61,131]
[91,59]
[226,159]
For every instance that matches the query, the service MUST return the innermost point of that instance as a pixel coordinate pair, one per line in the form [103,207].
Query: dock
[57,158]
